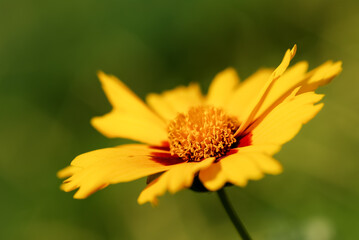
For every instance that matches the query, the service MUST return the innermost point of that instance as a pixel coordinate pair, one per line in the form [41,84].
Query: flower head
[227,136]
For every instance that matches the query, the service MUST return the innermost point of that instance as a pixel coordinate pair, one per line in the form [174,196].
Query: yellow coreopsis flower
[227,136]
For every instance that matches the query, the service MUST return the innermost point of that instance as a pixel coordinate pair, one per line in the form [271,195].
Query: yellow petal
[286,119]
[268,148]
[321,76]
[127,125]
[213,177]
[97,169]
[283,86]
[255,105]
[125,102]
[246,92]
[123,99]
[294,77]
[178,177]
[179,100]
[222,88]
[67,171]
[238,169]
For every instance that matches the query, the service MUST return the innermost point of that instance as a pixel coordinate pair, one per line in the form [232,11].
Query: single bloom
[226,137]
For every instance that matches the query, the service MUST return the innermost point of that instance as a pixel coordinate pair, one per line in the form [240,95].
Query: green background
[50,52]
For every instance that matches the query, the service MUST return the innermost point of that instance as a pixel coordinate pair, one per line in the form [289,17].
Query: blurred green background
[49,54]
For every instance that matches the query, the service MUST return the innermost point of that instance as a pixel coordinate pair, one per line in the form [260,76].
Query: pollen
[202,132]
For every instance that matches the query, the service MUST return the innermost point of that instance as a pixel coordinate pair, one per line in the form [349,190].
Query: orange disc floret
[203,132]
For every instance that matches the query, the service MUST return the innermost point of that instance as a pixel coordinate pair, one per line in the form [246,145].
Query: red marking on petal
[231,151]
[165,146]
[245,140]
[242,141]
[165,158]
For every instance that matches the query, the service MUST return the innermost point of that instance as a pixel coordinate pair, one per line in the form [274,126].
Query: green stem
[232,215]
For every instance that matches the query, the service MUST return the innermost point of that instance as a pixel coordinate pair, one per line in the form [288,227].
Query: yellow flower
[226,137]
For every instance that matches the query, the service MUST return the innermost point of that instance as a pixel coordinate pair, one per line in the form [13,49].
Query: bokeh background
[50,52]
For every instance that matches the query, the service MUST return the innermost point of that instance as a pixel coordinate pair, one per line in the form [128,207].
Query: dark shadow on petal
[165,158]
[163,155]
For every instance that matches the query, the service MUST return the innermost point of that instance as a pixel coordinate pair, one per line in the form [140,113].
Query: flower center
[201,133]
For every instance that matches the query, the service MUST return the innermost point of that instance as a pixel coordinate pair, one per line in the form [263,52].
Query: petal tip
[293,51]
[65,172]
[142,200]
[101,74]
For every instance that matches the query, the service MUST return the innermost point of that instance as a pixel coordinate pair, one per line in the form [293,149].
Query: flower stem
[232,215]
